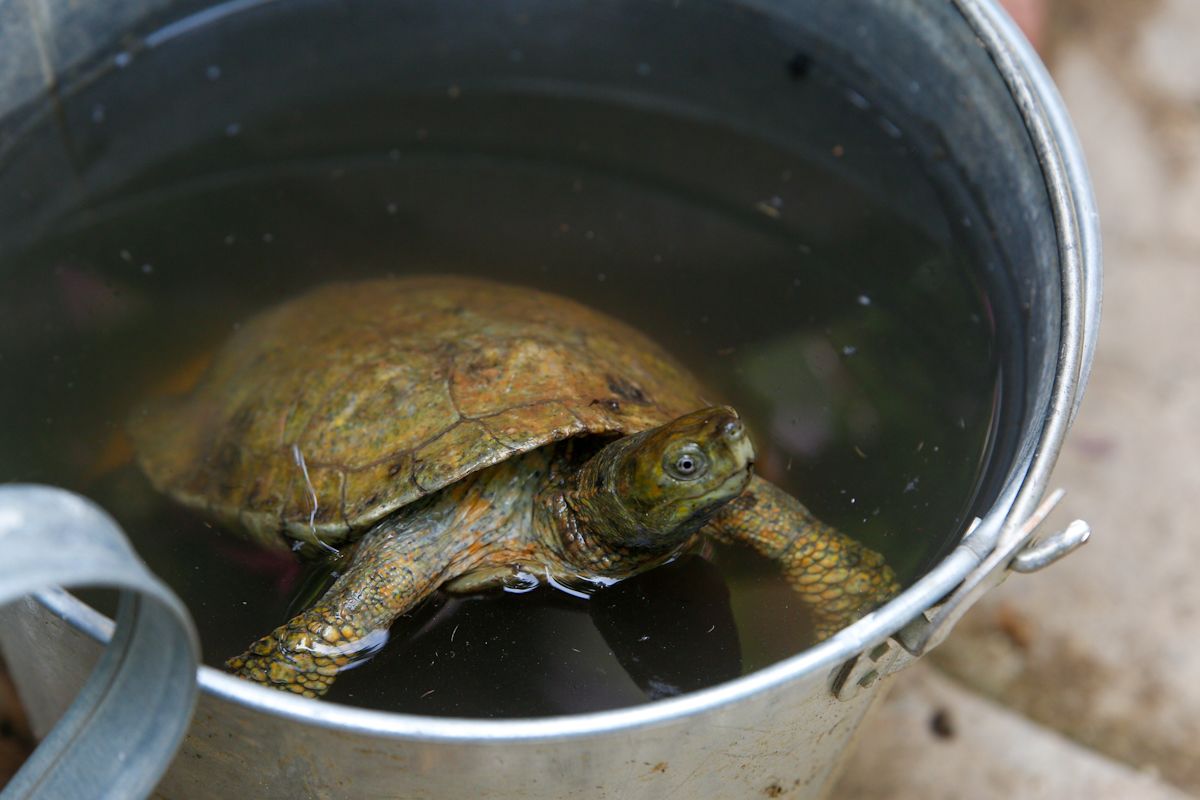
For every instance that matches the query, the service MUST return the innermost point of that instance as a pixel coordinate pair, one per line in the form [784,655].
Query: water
[850,321]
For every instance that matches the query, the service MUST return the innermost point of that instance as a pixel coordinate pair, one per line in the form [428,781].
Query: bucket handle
[1019,550]
[122,729]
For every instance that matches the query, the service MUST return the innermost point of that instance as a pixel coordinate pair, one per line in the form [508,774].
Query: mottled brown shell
[332,410]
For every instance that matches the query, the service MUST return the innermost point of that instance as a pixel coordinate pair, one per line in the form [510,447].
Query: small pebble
[942,724]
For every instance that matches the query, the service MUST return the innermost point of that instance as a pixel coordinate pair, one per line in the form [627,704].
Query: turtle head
[650,491]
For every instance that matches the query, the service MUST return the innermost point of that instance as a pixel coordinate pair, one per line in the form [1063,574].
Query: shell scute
[374,491]
[464,448]
[518,426]
[351,425]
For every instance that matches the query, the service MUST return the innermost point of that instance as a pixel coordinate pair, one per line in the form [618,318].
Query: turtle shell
[326,413]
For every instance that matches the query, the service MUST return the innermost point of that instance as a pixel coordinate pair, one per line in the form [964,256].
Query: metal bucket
[971,80]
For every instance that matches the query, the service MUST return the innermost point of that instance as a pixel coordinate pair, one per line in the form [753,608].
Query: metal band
[121,731]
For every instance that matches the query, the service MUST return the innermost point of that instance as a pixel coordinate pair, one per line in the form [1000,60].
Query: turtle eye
[687,465]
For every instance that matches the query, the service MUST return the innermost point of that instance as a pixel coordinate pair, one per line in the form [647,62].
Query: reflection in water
[671,628]
[656,635]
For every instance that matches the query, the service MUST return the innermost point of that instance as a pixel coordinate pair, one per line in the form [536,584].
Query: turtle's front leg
[839,578]
[392,571]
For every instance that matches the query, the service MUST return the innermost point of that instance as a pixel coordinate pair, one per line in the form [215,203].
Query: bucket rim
[1077,227]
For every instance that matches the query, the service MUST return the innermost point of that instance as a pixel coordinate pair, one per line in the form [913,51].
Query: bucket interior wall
[713,60]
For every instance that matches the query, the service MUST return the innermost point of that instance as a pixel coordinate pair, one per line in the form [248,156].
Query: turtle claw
[289,659]
[305,655]
[278,674]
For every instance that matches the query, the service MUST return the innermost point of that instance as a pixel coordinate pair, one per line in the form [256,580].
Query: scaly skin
[837,577]
[472,525]
[544,512]
[391,573]
[626,509]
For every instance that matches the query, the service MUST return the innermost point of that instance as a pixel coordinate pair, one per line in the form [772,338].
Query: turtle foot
[294,659]
[848,598]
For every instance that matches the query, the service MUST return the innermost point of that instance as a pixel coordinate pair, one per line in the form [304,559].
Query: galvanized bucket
[969,77]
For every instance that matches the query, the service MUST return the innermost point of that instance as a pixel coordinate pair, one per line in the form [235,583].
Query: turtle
[464,434]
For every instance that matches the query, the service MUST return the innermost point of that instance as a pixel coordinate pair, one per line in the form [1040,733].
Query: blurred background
[1077,682]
